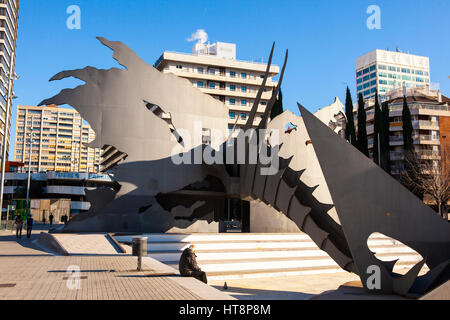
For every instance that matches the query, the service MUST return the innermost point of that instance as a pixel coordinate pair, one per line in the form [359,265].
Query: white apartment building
[382,71]
[9,15]
[59,137]
[213,69]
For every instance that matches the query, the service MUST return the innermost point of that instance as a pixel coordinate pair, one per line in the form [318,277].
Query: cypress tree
[385,149]
[377,129]
[362,143]
[408,146]
[277,106]
[408,143]
[350,126]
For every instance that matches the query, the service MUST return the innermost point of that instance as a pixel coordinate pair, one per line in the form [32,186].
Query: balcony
[396,155]
[80,205]
[69,190]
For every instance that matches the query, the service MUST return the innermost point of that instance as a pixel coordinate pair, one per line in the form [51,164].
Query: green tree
[277,106]
[350,125]
[408,143]
[411,162]
[362,143]
[385,149]
[377,129]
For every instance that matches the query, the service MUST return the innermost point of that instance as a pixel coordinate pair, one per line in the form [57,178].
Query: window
[373,90]
[366,78]
[405,70]
[243,75]
[243,102]
[372,68]
[200,70]
[212,85]
[391,68]
[360,87]
[212,71]
[243,89]
[243,116]
[232,74]
[232,115]
[263,103]
[232,87]
[381,67]
[382,81]
[366,85]
[359,73]
[359,80]
[373,75]
[232,101]
[373,82]
[366,71]
[179,66]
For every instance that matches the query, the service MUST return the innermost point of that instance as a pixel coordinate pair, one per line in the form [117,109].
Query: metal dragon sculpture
[140,115]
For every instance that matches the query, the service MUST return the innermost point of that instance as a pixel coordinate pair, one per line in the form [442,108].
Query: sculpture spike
[252,113]
[263,123]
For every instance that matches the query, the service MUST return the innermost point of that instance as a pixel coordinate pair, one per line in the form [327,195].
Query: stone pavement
[30,272]
[301,287]
[86,243]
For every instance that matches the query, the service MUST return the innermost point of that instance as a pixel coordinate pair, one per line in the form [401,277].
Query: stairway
[226,256]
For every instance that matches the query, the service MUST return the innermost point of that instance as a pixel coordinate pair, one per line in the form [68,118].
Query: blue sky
[323,37]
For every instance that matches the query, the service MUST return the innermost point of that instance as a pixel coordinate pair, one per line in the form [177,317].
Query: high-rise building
[213,69]
[381,71]
[9,15]
[59,138]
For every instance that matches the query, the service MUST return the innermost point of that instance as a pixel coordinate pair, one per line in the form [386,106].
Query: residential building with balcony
[213,69]
[430,115]
[59,138]
[381,71]
[9,18]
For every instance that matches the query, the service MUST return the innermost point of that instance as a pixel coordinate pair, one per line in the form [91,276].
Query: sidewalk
[30,272]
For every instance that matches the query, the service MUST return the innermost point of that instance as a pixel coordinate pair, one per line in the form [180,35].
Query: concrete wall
[264,218]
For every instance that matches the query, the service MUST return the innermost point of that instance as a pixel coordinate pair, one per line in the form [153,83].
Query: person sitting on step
[188,265]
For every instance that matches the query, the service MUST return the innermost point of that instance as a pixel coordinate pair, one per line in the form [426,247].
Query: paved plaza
[28,271]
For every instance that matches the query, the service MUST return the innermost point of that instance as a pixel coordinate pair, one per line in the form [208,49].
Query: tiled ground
[28,271]
[86,243]
[100,278]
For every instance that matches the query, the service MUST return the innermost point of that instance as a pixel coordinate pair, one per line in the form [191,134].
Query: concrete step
[236,256]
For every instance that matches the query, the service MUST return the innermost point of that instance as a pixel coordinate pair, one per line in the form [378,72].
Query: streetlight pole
[29,167]
[5,140]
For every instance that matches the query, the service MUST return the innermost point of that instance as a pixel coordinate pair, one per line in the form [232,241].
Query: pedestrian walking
[19,225]
[29,226]
[51,218]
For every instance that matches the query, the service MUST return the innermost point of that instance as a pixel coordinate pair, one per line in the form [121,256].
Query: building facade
[59,140]
[214,70]
[72,186]
[382,71]
[430,115]
[9,17]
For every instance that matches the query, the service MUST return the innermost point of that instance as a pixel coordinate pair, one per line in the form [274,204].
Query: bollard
[139,246]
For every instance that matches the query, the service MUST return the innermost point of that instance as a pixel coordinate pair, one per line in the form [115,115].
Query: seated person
[188,265]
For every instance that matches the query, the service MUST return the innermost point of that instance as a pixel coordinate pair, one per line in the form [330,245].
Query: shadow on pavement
[260,294]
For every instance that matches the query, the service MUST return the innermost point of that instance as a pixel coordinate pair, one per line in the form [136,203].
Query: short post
[139,249]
